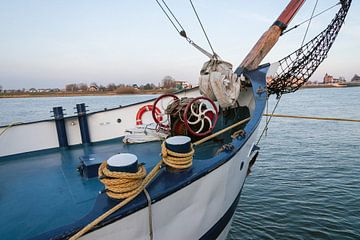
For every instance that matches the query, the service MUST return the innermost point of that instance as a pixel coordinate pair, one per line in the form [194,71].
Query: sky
[47,44]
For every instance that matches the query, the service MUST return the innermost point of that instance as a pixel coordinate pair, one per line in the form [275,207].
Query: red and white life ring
[144,109]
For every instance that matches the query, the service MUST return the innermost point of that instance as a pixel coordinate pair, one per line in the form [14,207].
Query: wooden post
[271,36]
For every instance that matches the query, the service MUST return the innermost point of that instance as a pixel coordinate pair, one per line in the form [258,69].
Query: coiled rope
[121,185]
[152,174]
[177,160]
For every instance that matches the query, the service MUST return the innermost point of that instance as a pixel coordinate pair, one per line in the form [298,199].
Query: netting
[296,69]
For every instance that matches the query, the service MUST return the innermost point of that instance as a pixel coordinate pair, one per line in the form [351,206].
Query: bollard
[84,128]
[60,126]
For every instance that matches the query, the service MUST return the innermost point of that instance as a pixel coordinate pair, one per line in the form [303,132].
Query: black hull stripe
[217,229]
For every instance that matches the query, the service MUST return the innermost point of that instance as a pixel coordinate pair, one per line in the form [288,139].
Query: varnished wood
[261,48]
[290,11]
[271,36]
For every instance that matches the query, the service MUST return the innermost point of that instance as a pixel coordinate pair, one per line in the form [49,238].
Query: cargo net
[297,68]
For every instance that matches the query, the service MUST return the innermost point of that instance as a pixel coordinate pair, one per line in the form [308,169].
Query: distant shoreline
[78,94]
[139,92]
[332,85]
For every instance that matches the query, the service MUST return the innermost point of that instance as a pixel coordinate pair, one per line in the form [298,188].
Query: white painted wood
[42,135]
[28,137]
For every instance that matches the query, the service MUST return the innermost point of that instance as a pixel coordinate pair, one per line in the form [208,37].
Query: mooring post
[60,126]
[82,117]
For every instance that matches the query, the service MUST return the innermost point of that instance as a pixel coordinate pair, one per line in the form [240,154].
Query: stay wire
[181,30]
[307,20]
[269,120]
[172,14]
[202,27]
[167,15]
[307,28]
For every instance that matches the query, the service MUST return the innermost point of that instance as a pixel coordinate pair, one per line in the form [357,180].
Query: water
[14,110]
[305,183]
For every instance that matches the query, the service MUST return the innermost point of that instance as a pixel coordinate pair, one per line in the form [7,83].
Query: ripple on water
[305,183]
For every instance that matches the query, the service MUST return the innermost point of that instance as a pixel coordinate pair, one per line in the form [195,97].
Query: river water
[305,183]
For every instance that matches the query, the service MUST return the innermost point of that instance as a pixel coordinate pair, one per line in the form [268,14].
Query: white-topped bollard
[177,153]
[123,162]
[179,144]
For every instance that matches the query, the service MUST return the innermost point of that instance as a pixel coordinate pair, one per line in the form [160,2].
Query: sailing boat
[90,177]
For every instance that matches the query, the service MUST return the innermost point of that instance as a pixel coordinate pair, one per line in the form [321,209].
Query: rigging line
[182,31]
[167,15]
[172,14]
[268,121]
[307,28]
[309,19]
[202,27]
[267,111]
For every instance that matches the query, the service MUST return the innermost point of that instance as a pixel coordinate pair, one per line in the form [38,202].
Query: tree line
[167,82]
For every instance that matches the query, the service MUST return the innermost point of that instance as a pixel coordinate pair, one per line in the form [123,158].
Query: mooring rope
[152,174]
[313,118]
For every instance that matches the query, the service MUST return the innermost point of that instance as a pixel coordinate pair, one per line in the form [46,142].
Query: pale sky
[53,43]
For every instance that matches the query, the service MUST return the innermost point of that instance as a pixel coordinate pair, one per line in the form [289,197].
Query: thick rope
[121,185]
[314,118]
[177,160]
[205,139]
[144,183]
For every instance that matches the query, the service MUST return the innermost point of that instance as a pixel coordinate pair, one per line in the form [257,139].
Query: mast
[271,36]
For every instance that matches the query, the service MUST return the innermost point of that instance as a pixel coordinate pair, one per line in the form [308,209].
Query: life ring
[144,109]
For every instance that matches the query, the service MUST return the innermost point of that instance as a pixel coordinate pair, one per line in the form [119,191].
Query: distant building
[330,79]
[339,80]
[182,85]
[93,88]
[33,90]
[356,79]
[44,90]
